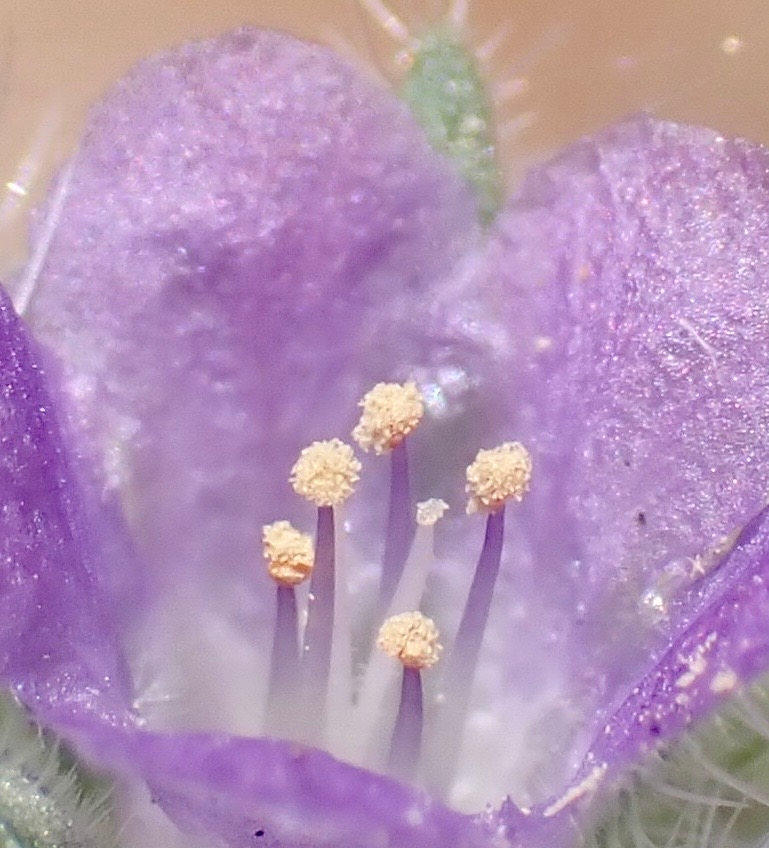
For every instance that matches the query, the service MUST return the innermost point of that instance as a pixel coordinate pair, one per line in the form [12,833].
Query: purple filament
[319,632]
[461,664]
[400,526]
[407,735]
[459,669]
[284,666]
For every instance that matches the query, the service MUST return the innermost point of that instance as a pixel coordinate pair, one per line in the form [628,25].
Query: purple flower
[250,237]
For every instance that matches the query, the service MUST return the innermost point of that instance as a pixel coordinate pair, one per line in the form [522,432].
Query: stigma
[363,672]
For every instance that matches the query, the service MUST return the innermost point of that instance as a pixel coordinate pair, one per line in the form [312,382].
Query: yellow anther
[411,638]
[498,475]
[326,473]
[390,412]
[430,512]
[289,553]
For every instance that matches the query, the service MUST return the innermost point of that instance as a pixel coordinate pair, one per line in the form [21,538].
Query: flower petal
[634,271]
[725,647]
[57,647]
[252,236]
[248,792]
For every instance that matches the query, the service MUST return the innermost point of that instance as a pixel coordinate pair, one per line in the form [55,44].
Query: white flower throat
[314,696]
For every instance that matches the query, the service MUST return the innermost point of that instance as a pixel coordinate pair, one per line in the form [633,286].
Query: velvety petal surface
[634,270]
[723,648]
[252,235]
[263,792]
[57,647]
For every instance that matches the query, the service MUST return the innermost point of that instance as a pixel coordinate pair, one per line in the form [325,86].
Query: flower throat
[381,719]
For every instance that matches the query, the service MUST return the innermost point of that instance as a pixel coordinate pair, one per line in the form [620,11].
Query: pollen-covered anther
[326,473]
[289,553]
[430,512]
[390,412]
[497,476]
[411,638]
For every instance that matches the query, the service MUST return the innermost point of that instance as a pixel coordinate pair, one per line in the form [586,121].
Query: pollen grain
[326,473]
[289,553]
[390,412]
[411,638]
[497,476]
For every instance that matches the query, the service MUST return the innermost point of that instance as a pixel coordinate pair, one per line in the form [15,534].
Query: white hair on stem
[41,800]
[389,21]
[458,14]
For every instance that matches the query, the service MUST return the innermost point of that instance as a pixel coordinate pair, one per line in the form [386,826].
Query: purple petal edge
[57,647]
[725,648]
[232,787]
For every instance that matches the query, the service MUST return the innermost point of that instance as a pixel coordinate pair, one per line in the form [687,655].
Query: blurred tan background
[562,67]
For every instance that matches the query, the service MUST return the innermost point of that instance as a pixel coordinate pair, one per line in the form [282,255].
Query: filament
[284,667]
[407,735]
[400,525]
[319,632]
[459,669]
[364,742]
[339,688]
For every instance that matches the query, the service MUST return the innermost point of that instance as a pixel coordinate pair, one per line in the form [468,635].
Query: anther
[412,638]
[289,553]
[390,412]
[497,476]
[326,473]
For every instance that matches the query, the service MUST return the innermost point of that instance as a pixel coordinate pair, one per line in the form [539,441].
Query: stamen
[364,739]
[412,638]
[325,474]
[493,478]
[391,411]
[290,560]
[498,475]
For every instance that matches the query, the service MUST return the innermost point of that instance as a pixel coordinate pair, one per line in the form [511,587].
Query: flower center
[381,717]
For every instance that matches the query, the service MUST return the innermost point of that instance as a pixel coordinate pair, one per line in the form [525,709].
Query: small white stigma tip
[411,638]
[390,412]
[430,512]
[326,473]
[289,553]
[498,475]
